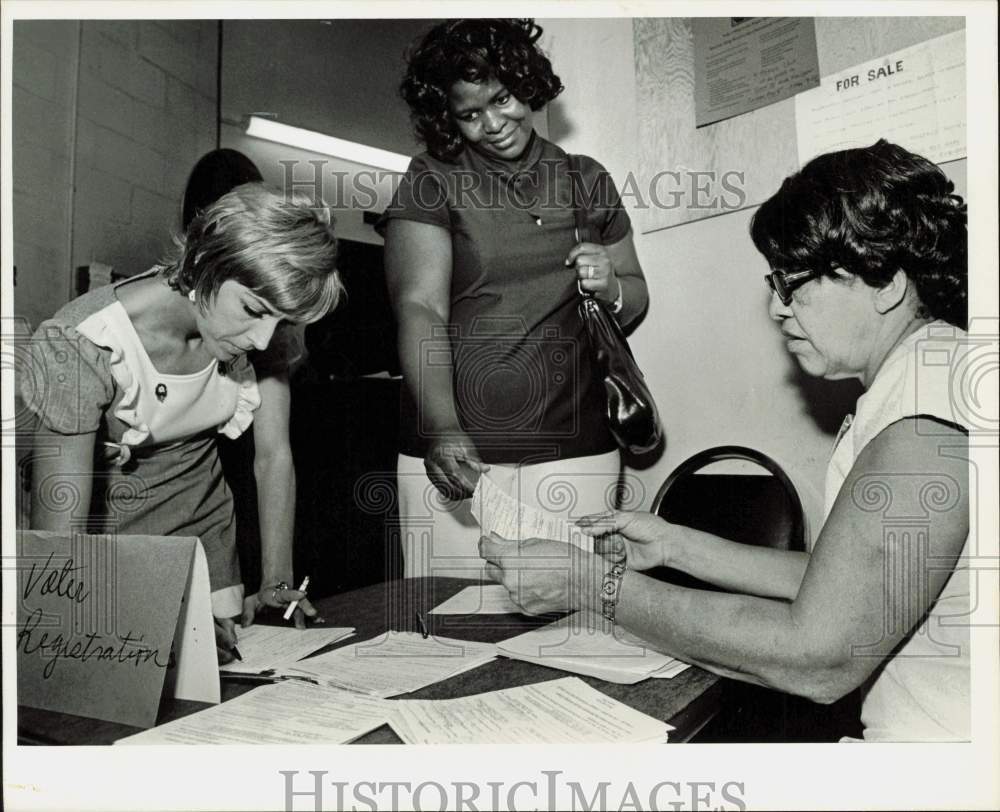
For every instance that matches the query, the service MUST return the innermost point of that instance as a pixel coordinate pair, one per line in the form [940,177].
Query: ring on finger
[590,272]
[274,590]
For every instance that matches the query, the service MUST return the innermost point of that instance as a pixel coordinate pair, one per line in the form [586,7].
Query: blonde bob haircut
[282,247]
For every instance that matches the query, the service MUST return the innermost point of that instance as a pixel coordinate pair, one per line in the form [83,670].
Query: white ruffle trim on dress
[100,328]
[247,402]
[96,329]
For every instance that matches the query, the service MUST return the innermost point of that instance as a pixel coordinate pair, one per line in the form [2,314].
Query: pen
[257,679]
[293,604]
[264,678]
[422,626]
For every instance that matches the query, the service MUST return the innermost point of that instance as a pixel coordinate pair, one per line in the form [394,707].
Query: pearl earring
[191,295]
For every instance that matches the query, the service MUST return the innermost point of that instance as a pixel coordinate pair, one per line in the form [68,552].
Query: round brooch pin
[161,392]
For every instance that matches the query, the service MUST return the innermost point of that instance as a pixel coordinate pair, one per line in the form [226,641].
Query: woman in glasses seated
[867,249]
[132,383]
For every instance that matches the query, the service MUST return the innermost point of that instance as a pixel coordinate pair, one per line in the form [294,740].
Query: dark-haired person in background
[483,268]
[132,382]
[264,526]
[867,249]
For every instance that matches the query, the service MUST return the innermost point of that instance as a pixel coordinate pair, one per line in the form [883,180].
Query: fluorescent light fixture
[311,141]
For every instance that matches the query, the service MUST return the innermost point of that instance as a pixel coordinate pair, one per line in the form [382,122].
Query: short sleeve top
[89,372]
[523,382]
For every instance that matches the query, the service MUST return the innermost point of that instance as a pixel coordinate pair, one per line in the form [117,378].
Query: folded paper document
[108,625]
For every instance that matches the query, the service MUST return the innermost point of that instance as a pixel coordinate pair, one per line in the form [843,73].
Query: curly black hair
[473,50]
[872,211]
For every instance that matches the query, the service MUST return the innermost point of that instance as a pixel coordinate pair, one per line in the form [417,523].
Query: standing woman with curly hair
[485,271]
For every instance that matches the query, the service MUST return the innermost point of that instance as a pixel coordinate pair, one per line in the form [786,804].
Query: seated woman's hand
[542,575]
[277,597]
[641,537]
[595,272]
[453,465]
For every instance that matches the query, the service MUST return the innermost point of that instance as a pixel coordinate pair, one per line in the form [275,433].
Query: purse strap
[580,200]
[580,207]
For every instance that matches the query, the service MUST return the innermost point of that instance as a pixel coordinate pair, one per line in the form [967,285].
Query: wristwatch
[611,590]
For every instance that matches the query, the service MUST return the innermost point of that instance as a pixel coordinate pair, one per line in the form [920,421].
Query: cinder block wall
[109,117]
[43,116]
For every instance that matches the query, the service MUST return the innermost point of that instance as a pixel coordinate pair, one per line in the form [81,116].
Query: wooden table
[688,701]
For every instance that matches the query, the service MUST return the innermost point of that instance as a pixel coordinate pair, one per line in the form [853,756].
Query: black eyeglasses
[784,284]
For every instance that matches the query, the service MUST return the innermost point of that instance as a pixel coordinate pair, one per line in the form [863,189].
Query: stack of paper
[559,711]
[396,663]
[583,644]
[499,512]
[274,648]
[284,713]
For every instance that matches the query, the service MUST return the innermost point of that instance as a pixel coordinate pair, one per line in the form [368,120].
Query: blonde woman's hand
[278,597]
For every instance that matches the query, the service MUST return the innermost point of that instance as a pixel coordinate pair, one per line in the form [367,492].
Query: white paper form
[484,599]
[273,648]
[576,643]
[499,512]
[284,713]
[396,663]
[914,97]
[559,711]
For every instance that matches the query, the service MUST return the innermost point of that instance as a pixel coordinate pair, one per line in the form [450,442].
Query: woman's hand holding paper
[542,575]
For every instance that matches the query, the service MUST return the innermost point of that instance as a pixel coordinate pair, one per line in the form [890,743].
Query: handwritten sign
[914,97]
[102,620]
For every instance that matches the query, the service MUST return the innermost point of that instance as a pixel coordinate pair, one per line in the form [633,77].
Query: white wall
[146,114]
[44,77]
[109,118]
[714,361]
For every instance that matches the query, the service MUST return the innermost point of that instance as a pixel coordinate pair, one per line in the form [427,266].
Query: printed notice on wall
[914,97]
[742,63]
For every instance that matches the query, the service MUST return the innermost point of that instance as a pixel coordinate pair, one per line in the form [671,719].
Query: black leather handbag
[631,411]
